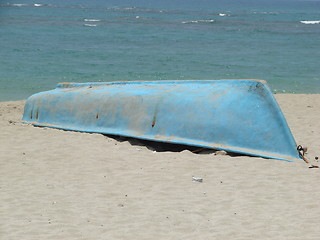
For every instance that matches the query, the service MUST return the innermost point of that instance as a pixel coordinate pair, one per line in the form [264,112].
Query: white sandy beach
[58,184]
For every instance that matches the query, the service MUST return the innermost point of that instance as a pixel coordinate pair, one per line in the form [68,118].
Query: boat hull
[239,116]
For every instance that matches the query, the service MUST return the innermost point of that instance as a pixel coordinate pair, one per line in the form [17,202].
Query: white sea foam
[199,21]
[90,25]
[26,5]
[136,9]
[223,14]
[310,22]
[19,5]
[268,13]
[91,20]
[128,8]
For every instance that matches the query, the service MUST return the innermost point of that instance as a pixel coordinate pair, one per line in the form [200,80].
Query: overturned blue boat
[239,116]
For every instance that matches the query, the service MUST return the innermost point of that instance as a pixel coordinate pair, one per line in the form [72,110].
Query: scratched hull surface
[239,116]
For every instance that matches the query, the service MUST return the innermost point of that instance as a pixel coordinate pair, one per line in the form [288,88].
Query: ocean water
[46,42]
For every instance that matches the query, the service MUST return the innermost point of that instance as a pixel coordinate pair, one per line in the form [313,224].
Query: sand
[57,184]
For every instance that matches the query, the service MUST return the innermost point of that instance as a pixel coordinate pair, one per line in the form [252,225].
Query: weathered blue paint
[239,116]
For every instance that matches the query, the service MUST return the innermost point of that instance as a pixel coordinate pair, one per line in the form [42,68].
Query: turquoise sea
[44,42]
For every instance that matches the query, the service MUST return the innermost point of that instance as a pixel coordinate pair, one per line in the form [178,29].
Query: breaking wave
[118,9]
[90,25]
[91,20]
[267,13]
[223,15]
[24,5]
[136,9]
[199,21]
[310,22]
[18,5]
